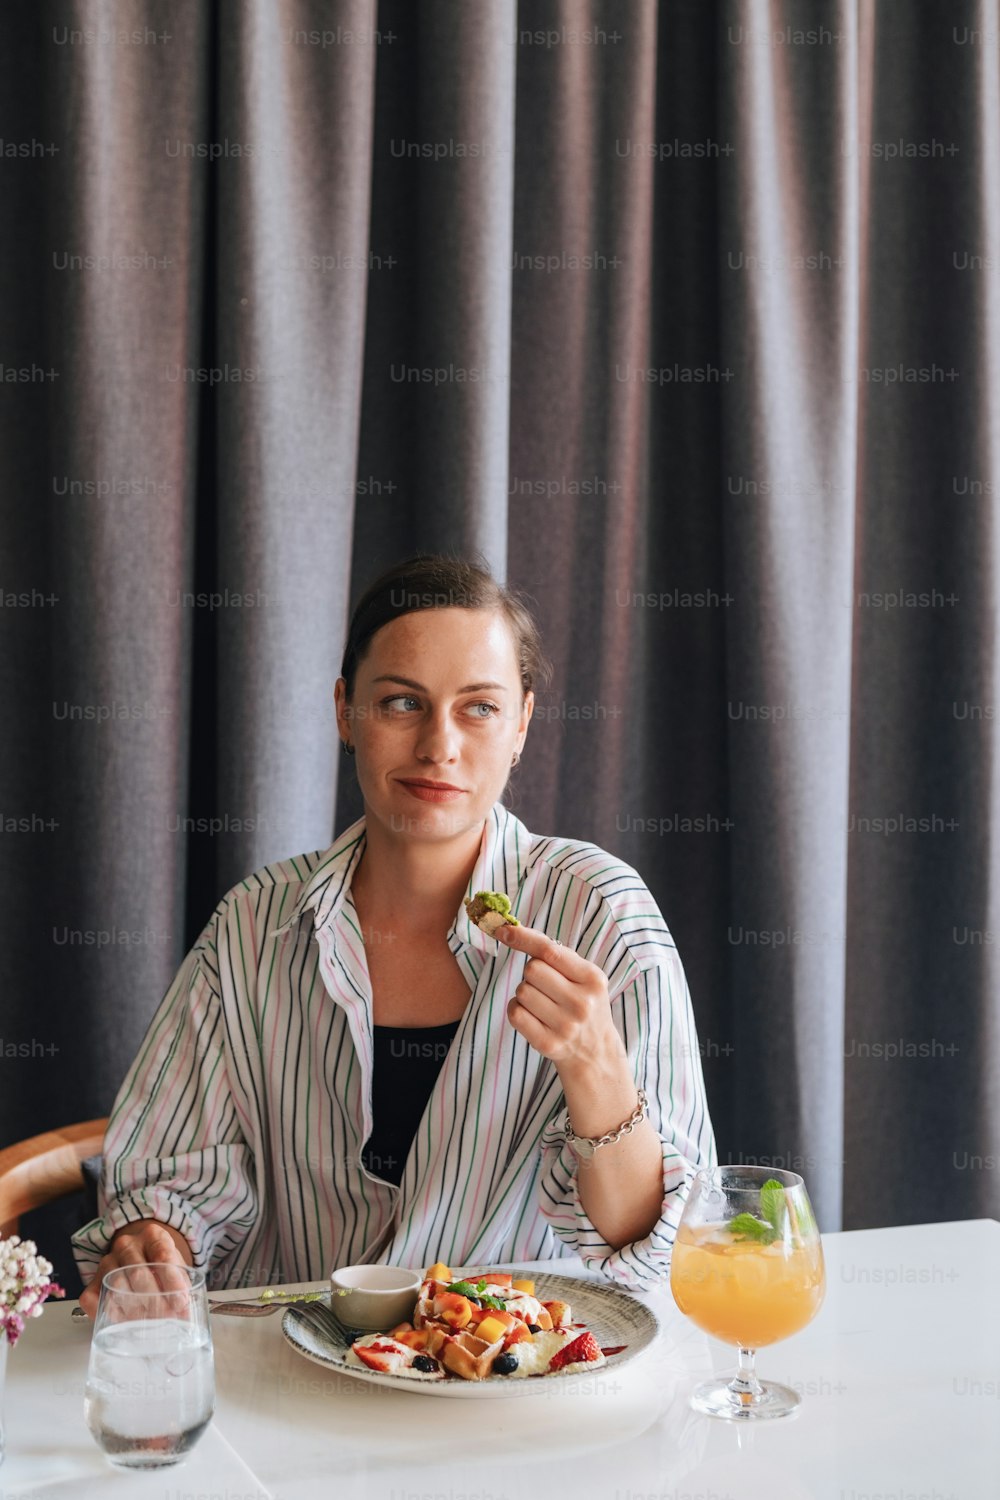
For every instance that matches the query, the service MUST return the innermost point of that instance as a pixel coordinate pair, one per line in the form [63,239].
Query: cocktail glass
[747,1268]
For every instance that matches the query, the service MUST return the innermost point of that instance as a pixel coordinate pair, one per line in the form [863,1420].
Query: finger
[539,945]
[539,1005]
[544,977]
[168,1265]
[535,1032]
[90,1295]
[130,1252]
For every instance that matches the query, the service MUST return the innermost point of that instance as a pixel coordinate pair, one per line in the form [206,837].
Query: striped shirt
[243,1118]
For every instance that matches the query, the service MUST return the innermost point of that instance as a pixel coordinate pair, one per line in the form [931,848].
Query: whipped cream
[399,1358]
[533,1358]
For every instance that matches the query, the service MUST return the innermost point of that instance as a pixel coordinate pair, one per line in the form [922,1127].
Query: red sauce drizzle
[614,1349]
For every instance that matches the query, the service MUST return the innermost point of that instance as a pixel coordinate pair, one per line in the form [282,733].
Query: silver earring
[347,748]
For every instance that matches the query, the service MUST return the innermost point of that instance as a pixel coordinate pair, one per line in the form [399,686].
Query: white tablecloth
[900,1375]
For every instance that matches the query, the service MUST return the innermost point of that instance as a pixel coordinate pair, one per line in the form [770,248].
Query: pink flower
[24,1285]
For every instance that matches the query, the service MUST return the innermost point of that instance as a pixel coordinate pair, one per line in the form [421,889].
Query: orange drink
[744,1292]
[747,1267]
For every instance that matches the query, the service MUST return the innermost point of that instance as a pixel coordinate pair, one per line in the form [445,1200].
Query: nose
[437,740]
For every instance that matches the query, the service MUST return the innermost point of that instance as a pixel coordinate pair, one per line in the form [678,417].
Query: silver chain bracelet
[585,1146]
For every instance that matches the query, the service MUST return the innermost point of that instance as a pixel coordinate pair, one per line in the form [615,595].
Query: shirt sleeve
[655,1020]
[173,1150]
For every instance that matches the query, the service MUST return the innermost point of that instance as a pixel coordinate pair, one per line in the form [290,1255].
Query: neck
[414,883]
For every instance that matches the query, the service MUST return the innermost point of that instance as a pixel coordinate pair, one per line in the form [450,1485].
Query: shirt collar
[499,867]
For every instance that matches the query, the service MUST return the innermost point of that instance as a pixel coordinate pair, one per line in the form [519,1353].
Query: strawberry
[382,1357]
[585,1347]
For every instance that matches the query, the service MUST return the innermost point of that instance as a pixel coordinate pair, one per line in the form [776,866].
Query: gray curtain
[685,316]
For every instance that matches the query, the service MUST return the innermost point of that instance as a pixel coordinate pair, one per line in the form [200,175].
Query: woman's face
[437,697]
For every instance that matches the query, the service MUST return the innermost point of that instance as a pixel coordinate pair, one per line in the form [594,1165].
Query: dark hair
[430,580]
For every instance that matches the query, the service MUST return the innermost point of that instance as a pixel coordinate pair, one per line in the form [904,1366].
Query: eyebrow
[470,687]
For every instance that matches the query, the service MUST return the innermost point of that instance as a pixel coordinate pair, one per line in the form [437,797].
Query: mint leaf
[772,1205]
[463,1288]
[477,1294]
[749,1228]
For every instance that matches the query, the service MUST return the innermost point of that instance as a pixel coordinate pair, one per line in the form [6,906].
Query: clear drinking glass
[150,1389]
[747,1267]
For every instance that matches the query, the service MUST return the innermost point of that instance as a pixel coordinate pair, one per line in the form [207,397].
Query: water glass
[150,1389]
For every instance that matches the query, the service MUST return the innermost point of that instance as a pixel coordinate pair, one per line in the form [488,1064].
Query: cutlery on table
[312,1309]
[324,1320]
[254,1309]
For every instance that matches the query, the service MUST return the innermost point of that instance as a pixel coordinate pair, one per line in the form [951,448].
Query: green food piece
[772,1204]
[497,901]
[746,1227]
[477,1293]
[270,1295]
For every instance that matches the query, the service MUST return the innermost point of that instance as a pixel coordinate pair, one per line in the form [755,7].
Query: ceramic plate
[613,1316]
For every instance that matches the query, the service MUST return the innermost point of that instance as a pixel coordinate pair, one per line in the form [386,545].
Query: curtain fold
[685,316]
[921,1067]
[788,290]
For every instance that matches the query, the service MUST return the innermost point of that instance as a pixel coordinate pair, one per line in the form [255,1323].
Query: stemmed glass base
[745,1398]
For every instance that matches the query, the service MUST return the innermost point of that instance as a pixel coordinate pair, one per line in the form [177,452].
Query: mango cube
[439,1272]
[524,1286]
[490,1329]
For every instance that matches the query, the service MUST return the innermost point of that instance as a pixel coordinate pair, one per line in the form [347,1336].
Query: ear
[343,708]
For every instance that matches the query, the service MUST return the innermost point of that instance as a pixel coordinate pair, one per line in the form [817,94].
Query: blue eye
[491,708]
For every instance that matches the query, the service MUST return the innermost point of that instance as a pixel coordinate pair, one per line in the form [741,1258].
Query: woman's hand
[561,1005]
[563,1009]
[138,1244]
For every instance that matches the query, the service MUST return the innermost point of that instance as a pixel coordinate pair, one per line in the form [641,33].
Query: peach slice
[517,1334]
[454,1309]
[414,1338]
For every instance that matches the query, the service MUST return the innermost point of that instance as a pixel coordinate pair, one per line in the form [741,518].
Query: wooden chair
[36,1171]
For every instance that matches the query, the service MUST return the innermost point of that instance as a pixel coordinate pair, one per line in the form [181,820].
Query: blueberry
[534,1328]
[505,1364]
[424,1362]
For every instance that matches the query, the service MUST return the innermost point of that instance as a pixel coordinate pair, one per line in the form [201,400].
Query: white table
[900,1376]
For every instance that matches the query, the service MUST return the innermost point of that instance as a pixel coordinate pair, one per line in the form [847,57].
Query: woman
[347,1069]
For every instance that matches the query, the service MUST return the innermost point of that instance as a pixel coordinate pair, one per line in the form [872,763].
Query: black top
[407,1060]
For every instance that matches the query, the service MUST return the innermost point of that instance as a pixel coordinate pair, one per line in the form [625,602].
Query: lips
[432,791]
